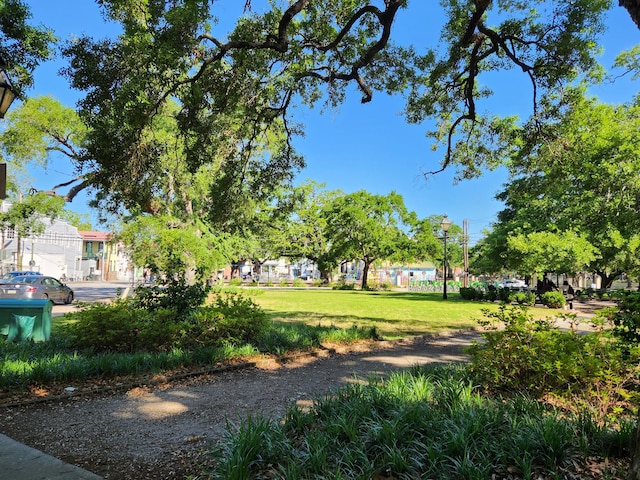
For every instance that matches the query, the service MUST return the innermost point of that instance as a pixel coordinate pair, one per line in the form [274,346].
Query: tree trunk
[365,275]
[607,279]
[634,467]
[633,7]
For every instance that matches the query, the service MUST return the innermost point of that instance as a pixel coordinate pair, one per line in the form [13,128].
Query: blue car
[7,277]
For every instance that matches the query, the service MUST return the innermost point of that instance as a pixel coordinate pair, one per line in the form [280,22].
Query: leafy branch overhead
[237,95]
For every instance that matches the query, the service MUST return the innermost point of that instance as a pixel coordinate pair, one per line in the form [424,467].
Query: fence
[438,286]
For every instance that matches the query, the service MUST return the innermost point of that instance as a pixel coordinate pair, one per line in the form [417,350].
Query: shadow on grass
[386,327]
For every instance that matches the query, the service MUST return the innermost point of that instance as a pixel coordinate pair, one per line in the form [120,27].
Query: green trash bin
[25,319]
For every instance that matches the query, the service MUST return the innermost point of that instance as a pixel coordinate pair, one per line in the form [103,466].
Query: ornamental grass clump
[427,422]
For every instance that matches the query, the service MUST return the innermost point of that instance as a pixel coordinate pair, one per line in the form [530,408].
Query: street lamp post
[445,224]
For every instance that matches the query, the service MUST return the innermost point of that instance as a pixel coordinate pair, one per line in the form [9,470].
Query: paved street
[92,292]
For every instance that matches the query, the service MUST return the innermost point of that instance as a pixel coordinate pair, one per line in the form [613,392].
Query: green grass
[393,314]
[301,320]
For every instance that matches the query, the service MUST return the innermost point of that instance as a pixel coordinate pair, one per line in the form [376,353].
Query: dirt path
[162,432]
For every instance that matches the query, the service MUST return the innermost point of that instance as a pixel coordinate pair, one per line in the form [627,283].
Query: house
[103,258]
[62,251]
[54,252]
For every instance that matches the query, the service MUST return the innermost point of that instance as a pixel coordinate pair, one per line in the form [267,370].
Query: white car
[512,284]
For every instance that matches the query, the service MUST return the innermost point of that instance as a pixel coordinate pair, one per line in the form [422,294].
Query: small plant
[504,295]
[553,299]
[298,282]
[230,318]
[468,293]
[235,282]
[343,285]
[625,318]
[174,293]
[524,298]
[123,327]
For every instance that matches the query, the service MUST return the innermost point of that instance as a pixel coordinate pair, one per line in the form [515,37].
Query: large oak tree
[240,91]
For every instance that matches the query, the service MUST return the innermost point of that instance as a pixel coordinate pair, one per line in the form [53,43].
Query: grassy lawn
[394,314]
[301,319]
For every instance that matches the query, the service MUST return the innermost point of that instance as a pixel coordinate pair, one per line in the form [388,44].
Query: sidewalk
[20,462]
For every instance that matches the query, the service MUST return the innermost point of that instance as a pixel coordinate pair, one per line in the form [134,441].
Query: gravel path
[162,432]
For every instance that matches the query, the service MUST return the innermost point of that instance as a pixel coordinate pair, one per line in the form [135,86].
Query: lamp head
[445,224]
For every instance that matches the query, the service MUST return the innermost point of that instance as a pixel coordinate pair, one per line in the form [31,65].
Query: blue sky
[358,146]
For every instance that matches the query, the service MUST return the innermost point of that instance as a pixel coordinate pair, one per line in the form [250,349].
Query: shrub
[173,294]
[504,295]
[523,354]
[468,293]
[230,318]
[235,282]
[342,285]
[298,282]
[123,327]
[491,294]
[553,299]
[524,298]
[625,318]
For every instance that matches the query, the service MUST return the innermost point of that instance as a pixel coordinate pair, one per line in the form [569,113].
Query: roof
[95,236]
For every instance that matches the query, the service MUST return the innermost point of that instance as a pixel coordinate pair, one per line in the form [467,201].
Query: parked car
[513,284]
[7,277]
[37,287]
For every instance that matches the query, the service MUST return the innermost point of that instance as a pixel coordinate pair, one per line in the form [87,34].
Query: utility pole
[465,251]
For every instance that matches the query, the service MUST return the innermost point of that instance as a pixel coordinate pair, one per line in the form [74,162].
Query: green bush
[491,294]
[504,295]
[523,354]
[553,299]
[235,282]
[524,298]
[230,318]
[342,285]
[625,318]
[174,294]
[298,282]
[123,327]
[468,293]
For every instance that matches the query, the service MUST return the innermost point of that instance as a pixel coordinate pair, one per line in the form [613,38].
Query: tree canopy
[581,184]
[23,46]
[367,227]
[238,93]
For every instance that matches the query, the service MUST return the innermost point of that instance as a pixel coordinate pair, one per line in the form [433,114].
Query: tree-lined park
[187,143]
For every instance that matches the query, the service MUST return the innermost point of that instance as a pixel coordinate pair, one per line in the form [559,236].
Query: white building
[55,252]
